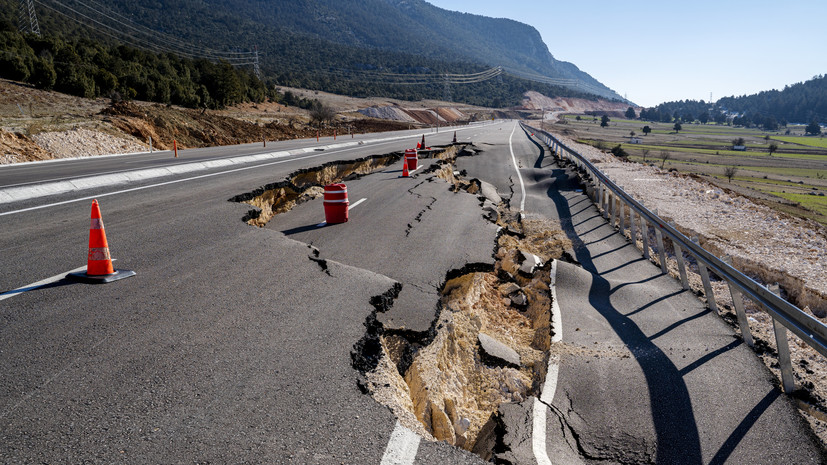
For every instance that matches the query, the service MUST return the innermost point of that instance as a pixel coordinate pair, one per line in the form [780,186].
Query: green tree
[813,128]
[43,74]
[604,121]
[703,117]
[630,113]
[619,152]
[677,127]
[646,130]
[729,172]
[772,148]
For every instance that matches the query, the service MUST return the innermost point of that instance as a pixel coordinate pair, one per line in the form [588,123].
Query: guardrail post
[622,214]
[681,263]
[603,200]
[738,302]
[644,233]
[704,272]
[661,249]
[783,345]
[608,200]
[632,232]
[613,205]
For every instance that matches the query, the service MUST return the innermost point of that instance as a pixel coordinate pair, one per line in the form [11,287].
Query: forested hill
[331,44]
[798,103]
[803,102]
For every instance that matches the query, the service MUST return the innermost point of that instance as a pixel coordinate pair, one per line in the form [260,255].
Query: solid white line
[516,167]
[33,286]
[538,436]
[324,223]
[538,442]
[41,189]
[175,181]
[355,204]
[402,447]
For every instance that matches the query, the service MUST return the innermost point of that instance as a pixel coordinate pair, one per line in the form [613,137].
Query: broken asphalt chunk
[499,351]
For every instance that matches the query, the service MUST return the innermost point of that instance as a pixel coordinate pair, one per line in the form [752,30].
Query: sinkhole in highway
[489,341]
[488,344]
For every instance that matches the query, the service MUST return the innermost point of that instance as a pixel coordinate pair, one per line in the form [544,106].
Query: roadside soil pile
[768,246]
[18,147]
[537,101]
[429,116]
[81,142]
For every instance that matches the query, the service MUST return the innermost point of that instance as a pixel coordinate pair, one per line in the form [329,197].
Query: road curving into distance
[234,343]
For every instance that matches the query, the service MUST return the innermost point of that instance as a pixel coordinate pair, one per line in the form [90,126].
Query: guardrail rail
[613,201]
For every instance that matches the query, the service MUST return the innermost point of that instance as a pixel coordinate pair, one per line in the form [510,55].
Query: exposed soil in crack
[307,184]
[444,384]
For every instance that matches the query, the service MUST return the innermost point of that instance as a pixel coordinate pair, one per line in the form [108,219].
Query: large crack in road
[489,340]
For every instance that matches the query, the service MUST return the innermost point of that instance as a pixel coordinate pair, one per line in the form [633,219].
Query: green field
[782,180]
[810,141]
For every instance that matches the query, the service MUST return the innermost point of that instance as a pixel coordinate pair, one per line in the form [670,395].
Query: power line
[27,20]
[140,36]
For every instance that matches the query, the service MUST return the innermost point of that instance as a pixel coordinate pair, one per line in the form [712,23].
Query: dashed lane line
[355,204]
[39,284]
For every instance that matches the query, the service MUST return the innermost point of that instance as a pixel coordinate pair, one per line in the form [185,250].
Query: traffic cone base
[82,277]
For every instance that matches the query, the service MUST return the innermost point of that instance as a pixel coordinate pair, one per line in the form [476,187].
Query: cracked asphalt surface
[229,346]
[233,343]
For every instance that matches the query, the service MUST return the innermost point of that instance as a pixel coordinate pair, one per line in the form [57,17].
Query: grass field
[782,180]
[810,141]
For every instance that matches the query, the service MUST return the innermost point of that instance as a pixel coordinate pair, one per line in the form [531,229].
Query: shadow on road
[674,421]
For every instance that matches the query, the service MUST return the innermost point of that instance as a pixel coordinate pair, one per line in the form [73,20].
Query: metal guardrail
[610,197]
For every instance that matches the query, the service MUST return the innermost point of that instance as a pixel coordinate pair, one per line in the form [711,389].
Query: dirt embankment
[196,128]
[537,101]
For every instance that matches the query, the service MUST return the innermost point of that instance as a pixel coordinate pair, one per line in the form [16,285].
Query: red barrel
[335,203]
[410,155]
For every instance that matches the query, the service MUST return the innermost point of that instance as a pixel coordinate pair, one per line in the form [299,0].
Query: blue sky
[656,51]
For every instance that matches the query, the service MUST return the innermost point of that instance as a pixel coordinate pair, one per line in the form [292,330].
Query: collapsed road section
[488,345]
[462,332]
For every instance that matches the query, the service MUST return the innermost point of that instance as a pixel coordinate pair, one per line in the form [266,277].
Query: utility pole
[446,89]
[256,68]
[27,20]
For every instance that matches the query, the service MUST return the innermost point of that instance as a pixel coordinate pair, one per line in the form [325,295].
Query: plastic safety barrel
[410,155]
[335,203]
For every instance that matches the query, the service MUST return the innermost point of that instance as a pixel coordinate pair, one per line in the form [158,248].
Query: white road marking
[176,181]
[402,447]
[39,284]
[538,436]
[166,183]
[516,167]
[538,442]
[324,223]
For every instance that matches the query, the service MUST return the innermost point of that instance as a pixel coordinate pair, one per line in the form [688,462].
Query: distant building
[635,140]
[740,148]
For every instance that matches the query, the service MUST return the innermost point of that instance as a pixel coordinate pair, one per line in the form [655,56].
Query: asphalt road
[233,343]
[230,344]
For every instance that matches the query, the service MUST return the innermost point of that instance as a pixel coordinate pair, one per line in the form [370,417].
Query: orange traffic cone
[99,264]
[422,144]
[405,173]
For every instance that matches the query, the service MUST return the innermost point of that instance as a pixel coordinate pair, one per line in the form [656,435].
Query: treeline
[800,103]
[88,68]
